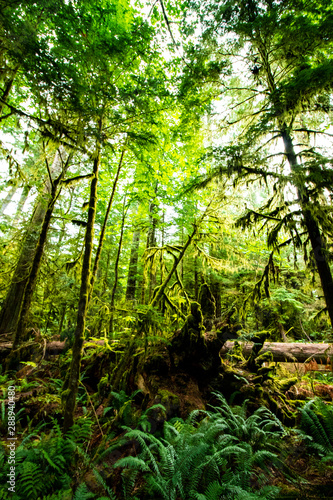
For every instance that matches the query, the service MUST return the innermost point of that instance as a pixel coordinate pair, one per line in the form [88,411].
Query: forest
[166,249]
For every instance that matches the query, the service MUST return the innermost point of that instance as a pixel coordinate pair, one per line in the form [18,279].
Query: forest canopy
[166,174]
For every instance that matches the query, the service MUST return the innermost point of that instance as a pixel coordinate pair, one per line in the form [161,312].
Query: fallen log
[282,351]
[52,348]
[287,352]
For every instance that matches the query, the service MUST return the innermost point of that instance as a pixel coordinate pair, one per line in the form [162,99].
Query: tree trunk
[133,266]
[72,383]
[36,263]
[286,352]
[116,268]
[196,279]
[11,308]
[8,199]
[102,234]
[151,242]
[282,352]
[21,203]
[316,240]
[159,291]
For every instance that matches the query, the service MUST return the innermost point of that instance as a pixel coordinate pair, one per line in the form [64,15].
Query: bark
[133,266]
[72,383]
[151,242]
[7,91]
[102,234]
[316,240]
[159,291]
[12,304]
[36,263]
[286,352]
[21,203]
[116,269]
[282,352]
[196,279]
[8,199]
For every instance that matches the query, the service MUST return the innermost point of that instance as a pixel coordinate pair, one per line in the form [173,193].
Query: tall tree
[285,80]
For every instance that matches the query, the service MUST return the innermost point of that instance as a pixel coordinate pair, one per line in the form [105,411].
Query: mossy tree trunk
[159,291]
[36,263]
[12,304]
[9,196]
[133,266]
[316,238]
[72,383]
[102,233]
[116,268]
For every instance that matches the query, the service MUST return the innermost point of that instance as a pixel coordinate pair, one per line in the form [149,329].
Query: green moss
[265,357]
[285,384]
[166,396]
[103,386]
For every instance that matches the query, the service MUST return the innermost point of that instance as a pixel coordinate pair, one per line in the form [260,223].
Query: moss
[236,353]
[207,302]
[170,401]
[166,396]
[103,386]
[265,357]
[284,385]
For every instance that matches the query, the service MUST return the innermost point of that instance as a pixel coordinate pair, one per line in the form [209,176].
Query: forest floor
[302,475]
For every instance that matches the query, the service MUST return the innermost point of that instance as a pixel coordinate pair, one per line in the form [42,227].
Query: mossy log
[286,352]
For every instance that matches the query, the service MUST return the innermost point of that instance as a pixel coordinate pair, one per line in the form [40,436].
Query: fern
[82,493]
[317,422]
[207,459]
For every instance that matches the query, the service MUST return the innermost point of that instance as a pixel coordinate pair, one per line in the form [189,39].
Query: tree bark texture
[12,304]
[39,252]
[102,234]
[286,352]
[282,352]
[116,269]
[133,266]
[71,390]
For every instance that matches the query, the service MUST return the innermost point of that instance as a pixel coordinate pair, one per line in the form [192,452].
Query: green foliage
[219,454]
[317,425]
[43,463]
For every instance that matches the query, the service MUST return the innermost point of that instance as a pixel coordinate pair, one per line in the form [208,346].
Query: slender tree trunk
[159,291]
[11,308]
[116,269]
[72,384]
[196,279]
[151,242]
[133,266]
[182,262]
[102,234]
[7,90]
[8,199]
[35,266]
[21,203]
